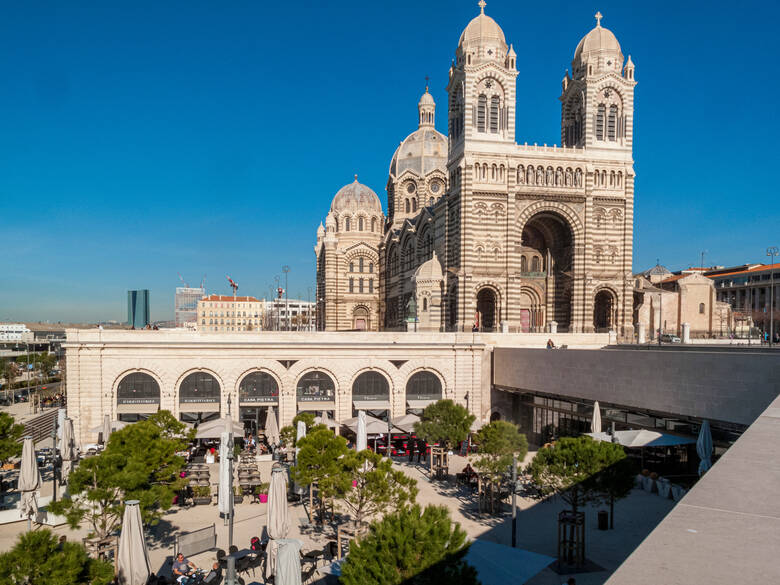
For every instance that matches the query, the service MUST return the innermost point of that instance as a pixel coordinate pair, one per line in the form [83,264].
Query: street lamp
[286,269]
[772,252]
[276,296]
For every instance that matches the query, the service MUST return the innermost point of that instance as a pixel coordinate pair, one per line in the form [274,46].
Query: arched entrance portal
[487,312]
[548,244]
[199,397]
[360,319]
[371,392]
[257,392]
[137,396]
[604,311]
[422,389]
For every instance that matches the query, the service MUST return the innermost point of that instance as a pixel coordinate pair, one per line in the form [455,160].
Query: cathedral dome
[356,196]
[426,99]
[598,42]
[429,270]
[482,30]
[422,151]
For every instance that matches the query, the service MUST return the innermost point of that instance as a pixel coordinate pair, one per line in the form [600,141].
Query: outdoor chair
[306,575]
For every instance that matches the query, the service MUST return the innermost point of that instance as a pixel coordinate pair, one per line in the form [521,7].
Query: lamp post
[772,252]
[276,297]
[286,269]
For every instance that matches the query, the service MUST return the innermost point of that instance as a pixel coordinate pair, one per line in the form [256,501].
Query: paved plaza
[635,517]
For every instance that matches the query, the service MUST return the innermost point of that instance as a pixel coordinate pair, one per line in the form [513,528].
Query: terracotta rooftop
[230,298]
[759,268]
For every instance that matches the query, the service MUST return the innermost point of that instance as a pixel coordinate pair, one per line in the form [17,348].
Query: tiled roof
[759,268]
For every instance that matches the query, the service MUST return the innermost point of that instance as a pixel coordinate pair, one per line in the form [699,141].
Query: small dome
[482,30]
[429,270]
[422,151]
[426,99]
[356,196]
[599,41]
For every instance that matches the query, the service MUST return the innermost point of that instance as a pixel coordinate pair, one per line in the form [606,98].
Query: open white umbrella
[271,428]
[116,425]
[639,438]
[326,420]
[29,481]
[278,515]
[406,422]
[704,447]
[132,562]
[362,433]
[374,426]
[213,429]
[595,422]
[67,448]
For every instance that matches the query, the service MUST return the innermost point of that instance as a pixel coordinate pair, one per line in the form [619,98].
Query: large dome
[424,150]
[481,30]
[598,42]
[356,196]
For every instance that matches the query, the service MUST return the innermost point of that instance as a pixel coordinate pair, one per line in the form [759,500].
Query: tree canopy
[570,467]
[10,434]
[319,462]
[38,558]
[410,546]
[444,422]
[498,442]
[376,486]
[140,463]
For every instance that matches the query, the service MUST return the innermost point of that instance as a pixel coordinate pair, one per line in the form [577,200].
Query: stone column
[641,333]
[686,332]
[553,326]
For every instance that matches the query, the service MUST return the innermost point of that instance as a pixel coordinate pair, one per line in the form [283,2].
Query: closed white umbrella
[362,435]
[67,448]
[106,428]
[595,422]
[271,428]
[132,562]
[225,495]
[704,447]
[278,515]
[29,481]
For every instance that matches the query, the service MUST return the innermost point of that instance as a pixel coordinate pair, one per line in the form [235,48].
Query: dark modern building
[138,308]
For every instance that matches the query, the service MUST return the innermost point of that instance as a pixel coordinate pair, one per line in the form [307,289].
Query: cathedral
[483,233]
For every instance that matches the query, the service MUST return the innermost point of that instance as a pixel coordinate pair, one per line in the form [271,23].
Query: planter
[238,499]
[201,501]
[263,498]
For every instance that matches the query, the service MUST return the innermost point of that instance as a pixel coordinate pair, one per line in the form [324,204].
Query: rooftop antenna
[703,252]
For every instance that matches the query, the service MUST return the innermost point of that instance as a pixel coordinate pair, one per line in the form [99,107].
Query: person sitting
[550,344]
[183,569]
[214,576]
[468,471]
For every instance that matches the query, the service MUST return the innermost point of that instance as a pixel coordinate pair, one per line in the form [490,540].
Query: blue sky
[141,139]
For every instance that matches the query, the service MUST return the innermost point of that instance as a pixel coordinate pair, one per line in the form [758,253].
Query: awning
[273,402]
[418,404]
[643,438]
[316,405]
[199,407]
[371,404]
[136,409]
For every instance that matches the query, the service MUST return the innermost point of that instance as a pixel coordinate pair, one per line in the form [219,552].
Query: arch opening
[487,309]
[137,396]
[604,307]
[199,397]
[422,389]
[256,393]
[316,391]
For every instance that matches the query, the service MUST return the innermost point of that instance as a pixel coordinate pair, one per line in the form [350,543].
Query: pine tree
[444,422]
[10,433]
[319,462]
[413,547]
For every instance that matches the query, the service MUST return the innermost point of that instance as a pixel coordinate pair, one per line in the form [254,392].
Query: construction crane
[182,279]
[233,285]
[203,282]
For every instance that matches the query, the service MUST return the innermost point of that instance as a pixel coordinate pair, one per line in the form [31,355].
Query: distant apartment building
[747,287]
[15,332]
[186,305]
[227,313]
[290,315]
[138,308]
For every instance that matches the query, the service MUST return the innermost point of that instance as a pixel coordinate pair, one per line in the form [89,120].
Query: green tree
[319,463]
[38,558]
[570,466]
[498,442]
[444,422]
[10,433]
[615,482]
[139,462]
[413,547]
[377,487]
[306,417]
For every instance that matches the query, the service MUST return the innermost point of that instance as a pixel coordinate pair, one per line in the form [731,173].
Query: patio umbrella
[132,562]
[326,420]
[278,515]
[362,438]
[29,481]
[213,429]
[67,448]
[639,438]
[704,447]
[595,422]
[374,426]
[288,562]
[406,422]
[116,425]
[271,428]
[225,495]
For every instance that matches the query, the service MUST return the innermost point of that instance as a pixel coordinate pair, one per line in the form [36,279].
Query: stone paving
[635,517]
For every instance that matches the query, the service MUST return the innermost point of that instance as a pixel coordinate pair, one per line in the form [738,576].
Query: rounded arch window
[410,187]
[423,386]
[258,387]
[315,386]
[370,386]
[199,387]
[138,388]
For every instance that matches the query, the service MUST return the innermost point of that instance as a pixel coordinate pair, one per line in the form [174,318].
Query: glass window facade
[316,386]
[199,387]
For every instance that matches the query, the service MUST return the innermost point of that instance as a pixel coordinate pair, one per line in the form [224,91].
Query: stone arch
[145,404]
[415,369]
[263,369]
[186,373]
[361,318]
[204,409]
[488,305]
[605,308]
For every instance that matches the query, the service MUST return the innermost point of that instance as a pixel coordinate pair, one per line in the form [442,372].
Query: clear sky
[141,139]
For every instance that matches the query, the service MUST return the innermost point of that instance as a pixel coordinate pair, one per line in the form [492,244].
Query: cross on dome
[426,83]
[356,178]
[482,5]
[598,16]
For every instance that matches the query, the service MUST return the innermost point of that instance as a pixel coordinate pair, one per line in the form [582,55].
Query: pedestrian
[550,344]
